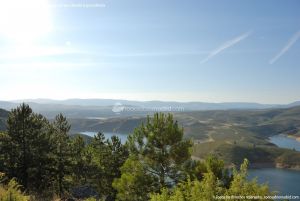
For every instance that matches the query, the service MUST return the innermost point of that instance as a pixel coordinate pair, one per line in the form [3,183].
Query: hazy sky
[215,51]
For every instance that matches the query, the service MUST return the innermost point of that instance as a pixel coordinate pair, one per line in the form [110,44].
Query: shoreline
[297,138]
[274,165]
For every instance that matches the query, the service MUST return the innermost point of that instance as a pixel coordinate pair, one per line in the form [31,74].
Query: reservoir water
[285,142]
[287,182]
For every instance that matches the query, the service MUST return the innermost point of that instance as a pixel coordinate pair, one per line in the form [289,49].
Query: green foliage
[3,117]
[211,164]
[27,148]
[81,161]
[36,152]
[241,186]
[210,187]
[87,139]
[108,157]
[46,161]
[62,152]
[196,190]
[12,191]
[159,145]
[135,183]
[158,159]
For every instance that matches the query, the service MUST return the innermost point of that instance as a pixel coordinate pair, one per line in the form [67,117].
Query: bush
[12,192]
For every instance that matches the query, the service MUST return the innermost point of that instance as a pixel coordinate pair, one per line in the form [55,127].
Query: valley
[266,137]
[232,135]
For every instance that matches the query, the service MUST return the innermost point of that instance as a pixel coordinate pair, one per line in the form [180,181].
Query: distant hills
[232,134]
[103,108]
[199,124]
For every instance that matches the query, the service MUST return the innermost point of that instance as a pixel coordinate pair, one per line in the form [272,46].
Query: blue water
[285,142]
[123,137]
[286,182]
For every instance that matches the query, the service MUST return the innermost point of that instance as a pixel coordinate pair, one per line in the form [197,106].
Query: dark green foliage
[87,139]
[210,189]
[81,160]
[108,156]
[36,152]
[3,118]
[135,183]
[62,152]
[159,153]
[160,146]
[28,148]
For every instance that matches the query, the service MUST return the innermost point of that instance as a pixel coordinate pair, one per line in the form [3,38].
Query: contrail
[289,44]
[226,45]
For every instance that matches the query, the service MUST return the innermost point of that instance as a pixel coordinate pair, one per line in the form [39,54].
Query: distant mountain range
[103,108]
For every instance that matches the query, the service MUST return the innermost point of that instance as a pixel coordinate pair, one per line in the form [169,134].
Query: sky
[171,50]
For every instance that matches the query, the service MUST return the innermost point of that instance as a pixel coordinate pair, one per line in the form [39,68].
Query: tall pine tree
[63,151]
[28,148]
[160,152]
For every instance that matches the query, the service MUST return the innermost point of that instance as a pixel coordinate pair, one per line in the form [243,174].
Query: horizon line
[152,100]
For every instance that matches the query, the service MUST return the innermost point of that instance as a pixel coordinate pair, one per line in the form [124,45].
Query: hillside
[230,134]
[234,135]
[201,124]
[118,125]
[87,139]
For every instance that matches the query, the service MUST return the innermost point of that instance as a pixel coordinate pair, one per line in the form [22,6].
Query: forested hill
[3,117]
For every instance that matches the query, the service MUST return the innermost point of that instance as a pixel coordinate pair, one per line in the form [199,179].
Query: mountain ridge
[94,108]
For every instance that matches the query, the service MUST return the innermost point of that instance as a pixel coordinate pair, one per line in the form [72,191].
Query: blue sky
[211,51]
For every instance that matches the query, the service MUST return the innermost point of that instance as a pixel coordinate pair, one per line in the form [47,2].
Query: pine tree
[109,155]
[63,152]
[28,148]
[20,127]
[134,184]
[78,163]
[160,152]
[161,147]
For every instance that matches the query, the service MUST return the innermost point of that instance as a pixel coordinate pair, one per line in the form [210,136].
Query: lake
[285,142]
[287,182]
[123,137]
[282,180]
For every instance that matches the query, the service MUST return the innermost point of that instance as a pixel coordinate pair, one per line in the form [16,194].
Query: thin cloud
[226,45]
[153,54]
[289,44]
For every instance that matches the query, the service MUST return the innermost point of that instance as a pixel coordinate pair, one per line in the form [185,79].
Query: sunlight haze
[207,51]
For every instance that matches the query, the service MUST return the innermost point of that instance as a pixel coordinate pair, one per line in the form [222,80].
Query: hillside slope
[201,124]
[231,134]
